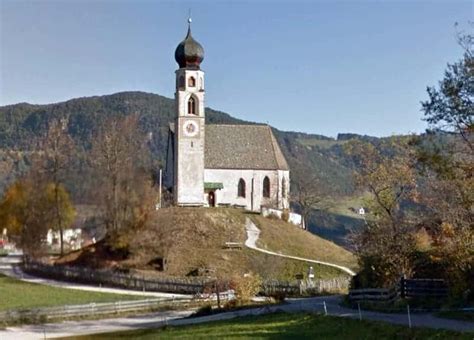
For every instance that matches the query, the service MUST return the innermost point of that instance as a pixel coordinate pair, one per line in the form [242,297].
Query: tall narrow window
[283,188]
[192,82]
[192,106]
[266,187]
[241,188]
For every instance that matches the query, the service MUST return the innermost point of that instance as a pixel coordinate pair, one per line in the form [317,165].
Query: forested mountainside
[21,124]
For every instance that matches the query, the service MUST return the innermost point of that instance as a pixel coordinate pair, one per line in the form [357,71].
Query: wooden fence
[373,294]
[413,288]
[193,286]
[114,279]
[407,288]
[91,309]
[334,285]
[306,287]
[274,287]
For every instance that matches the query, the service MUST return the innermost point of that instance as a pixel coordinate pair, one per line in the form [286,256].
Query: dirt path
[253,234]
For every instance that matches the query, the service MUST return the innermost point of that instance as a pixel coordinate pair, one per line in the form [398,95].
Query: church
[219,165]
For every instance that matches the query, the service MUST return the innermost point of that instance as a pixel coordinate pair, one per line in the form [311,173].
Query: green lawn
[287,326]
[16,294]
[458,315]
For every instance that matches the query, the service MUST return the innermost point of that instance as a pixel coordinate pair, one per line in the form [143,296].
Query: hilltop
[192,240]
[21,124]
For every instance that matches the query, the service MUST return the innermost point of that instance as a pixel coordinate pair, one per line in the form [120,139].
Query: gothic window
[192,106]
[266,187]
[181,82]
[192,82]
[241,188]
[283,188]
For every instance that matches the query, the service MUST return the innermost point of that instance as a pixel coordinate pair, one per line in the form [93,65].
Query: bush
[231,304]
[285,215]
[246,287]
[273,216]
[204,310]
[279,296]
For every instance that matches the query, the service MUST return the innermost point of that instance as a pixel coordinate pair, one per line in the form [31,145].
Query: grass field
[287,326]
[458,315]
[279,236]
[16,294]
[194,240]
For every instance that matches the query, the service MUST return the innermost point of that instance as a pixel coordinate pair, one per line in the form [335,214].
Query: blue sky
[312,66]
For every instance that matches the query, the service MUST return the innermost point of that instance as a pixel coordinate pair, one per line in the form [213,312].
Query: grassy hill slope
[193,242]
[280,236]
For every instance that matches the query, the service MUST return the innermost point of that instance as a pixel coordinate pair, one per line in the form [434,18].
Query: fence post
[409,317]
[402,286]
[325,308]
[360,314]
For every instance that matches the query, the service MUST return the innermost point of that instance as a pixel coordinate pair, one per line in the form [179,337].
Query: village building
[219,165]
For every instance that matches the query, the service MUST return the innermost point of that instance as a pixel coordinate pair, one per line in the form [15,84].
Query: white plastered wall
[253,199]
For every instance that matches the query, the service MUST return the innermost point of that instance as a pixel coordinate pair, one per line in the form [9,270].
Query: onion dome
[189,53]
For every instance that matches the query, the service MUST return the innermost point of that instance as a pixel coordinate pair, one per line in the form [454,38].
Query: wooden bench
[233,245]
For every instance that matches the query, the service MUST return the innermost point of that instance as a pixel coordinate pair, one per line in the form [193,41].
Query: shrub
[285,215]
[246,287]
[279,296]
[231,304]
[204,310]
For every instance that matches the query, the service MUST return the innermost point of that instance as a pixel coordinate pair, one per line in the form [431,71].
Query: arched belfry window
[266,187]
[241,188]
[192,82]
[192,106]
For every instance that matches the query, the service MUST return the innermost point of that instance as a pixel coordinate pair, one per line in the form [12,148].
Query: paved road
[253,234]
[177,318]
[417,319]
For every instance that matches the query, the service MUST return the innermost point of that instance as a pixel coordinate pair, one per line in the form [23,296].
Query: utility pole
[160,185]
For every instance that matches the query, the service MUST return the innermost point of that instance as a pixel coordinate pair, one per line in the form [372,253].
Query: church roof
[242,147]
[252,147]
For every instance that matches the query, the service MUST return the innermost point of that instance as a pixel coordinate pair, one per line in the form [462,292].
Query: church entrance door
[211,197]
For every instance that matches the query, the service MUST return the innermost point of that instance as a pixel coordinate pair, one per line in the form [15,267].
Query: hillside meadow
[192,240]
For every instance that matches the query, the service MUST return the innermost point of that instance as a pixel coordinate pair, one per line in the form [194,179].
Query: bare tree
[123,180]
[55,149]
[310,192]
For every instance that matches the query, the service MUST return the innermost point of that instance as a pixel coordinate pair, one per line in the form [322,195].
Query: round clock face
[190,128]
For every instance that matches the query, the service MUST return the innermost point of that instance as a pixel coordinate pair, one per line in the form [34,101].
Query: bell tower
[189,124]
